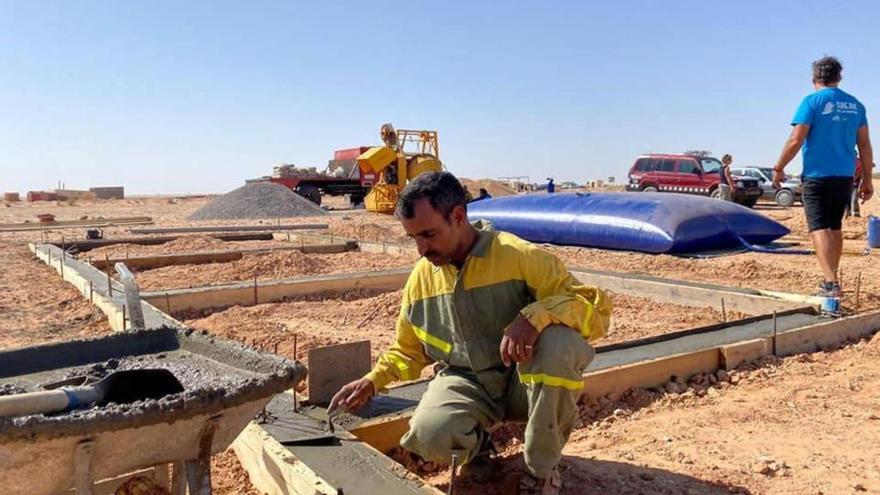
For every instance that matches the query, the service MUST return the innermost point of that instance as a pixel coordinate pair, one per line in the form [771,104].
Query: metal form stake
[178,478]
[109,280]
[91,292]
[255,290]
[84,468]
[858,289]
[132,297]
[723,311]
[167,303]
[295,398]
[774,332]
[453,466]
[123,317]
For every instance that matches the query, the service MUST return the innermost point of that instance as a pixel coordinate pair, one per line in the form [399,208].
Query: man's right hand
[866,190]
[778,178]
[352,396]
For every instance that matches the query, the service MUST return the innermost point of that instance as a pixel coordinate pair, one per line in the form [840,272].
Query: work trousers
[456,413]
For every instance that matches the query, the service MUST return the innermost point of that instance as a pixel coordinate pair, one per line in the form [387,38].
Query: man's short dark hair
[442,190]
[827,71]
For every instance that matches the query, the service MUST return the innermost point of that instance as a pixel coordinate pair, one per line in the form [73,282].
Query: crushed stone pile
[257,200]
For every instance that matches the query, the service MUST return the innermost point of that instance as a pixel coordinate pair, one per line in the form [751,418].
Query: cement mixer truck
[406,154]
[372,175]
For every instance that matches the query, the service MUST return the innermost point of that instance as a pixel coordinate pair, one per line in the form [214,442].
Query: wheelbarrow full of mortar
[155,404]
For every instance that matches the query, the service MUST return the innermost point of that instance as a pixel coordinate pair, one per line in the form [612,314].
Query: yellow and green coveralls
[458,317]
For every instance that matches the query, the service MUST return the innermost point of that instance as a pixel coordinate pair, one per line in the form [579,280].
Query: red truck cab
[688,174]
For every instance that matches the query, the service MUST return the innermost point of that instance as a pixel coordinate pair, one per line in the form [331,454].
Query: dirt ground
[36,308]
[805,424]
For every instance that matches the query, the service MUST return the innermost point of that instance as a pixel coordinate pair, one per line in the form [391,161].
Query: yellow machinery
[406,155]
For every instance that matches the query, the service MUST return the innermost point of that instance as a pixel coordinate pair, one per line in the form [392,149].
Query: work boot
[481,467]
[529,485]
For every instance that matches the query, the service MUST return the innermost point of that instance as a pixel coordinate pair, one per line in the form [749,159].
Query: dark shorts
[825,200]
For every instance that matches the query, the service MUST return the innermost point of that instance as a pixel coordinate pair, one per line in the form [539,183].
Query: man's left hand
[866,190]
[518,343]
[778,178]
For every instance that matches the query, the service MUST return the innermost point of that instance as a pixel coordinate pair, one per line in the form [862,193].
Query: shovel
[120,387]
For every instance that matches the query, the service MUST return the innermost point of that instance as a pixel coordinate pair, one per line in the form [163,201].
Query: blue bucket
[874,232]
[830,304]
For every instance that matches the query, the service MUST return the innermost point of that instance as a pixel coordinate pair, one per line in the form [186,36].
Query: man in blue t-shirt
[829,124]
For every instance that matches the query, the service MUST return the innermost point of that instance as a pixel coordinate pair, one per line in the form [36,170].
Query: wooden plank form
[228,228]
[249,294]
[152,261]
[74,224]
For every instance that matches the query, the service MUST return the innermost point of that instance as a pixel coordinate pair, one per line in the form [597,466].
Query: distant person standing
[551,187]
[829,124]
[852,208]
[727,186]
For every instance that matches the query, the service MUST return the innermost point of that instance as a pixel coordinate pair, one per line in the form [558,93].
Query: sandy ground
[805,424]
[36,308]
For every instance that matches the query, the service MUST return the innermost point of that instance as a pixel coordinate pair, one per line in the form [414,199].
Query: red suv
[688,174]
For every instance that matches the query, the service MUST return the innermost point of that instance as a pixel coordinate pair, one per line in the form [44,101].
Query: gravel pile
[257,200]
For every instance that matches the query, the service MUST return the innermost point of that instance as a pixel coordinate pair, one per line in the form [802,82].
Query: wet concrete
[216,374]
[348,466]
[651,278]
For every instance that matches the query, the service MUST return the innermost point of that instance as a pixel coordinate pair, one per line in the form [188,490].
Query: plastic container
[873,232]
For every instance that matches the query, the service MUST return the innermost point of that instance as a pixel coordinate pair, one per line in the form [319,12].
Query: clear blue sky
[198,96]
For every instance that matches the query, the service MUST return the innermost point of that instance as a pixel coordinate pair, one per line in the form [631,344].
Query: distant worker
[828,124]
[727,186]
[551,187]
[484,194]
[508,325]
[852,208]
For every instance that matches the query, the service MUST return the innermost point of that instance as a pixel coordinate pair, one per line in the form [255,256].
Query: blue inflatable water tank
[647,222]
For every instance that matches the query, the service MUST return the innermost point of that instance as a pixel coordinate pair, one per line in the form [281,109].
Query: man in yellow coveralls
[479,302]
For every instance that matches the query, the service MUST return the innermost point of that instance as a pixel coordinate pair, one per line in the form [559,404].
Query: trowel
[120,387]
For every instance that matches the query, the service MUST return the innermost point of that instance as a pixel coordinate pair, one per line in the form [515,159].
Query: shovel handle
[33,403]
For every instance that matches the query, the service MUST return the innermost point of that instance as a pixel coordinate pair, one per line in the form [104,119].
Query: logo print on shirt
[829,108]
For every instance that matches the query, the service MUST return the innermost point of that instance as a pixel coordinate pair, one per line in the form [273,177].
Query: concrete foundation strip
[93,283]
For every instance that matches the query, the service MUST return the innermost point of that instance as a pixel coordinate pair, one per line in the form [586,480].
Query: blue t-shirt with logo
[834,117]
